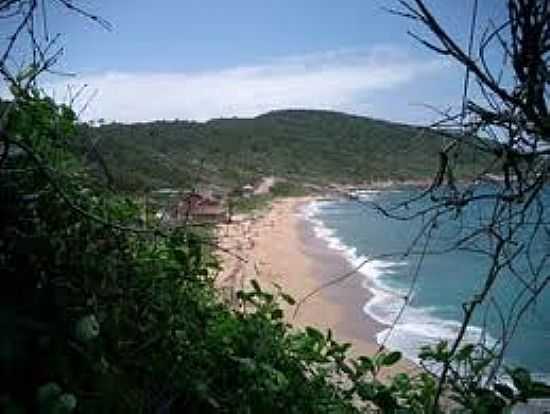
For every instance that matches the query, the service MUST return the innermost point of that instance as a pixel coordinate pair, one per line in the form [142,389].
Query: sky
[204,59]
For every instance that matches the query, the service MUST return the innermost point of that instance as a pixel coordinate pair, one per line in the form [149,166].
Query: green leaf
[366,391]
[343,348]
[539,390]
[391,358]
[426,353]
[366,363]
[345,368]
[65,405]
[385,400]
[521,379]
[402,382]
[465,352]
[247,363]
[48,392]
[315,334]
[277,314]
[487,401]
[505,391]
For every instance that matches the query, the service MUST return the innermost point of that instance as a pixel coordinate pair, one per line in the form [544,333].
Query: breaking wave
[416,326]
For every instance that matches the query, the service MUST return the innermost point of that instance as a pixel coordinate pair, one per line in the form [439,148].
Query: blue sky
[206,59]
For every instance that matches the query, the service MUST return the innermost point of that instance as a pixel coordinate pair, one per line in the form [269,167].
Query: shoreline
[280,247]
[349,294]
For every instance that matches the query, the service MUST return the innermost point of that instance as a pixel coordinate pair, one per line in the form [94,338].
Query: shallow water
[439,285]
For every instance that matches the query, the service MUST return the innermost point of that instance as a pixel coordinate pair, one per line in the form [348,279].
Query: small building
[197,208]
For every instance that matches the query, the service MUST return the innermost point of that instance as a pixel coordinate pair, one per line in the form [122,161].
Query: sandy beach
[279,246]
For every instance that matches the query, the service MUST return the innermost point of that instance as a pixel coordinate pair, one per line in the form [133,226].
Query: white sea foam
[311,212]
[416,327]
[365,195]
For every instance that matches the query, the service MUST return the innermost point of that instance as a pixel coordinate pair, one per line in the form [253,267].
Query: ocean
[439,282]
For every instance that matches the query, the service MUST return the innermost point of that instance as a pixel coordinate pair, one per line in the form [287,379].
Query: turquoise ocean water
[444,281]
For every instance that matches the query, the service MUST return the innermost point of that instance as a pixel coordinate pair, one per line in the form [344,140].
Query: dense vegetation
[106,315]
[101,313]
[306,146]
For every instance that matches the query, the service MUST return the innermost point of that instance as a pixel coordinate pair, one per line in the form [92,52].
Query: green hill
[304,145]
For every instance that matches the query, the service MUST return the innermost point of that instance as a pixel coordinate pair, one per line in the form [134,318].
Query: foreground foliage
[104,314]
[101,313]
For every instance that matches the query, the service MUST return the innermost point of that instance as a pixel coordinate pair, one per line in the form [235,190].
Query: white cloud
[336,80]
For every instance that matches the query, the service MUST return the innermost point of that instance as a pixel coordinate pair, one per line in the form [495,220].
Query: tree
[505,117]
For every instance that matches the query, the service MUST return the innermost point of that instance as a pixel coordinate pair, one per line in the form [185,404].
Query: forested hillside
[309,146]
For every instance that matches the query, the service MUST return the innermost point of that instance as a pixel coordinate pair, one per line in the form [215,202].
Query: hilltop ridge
[303,145]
